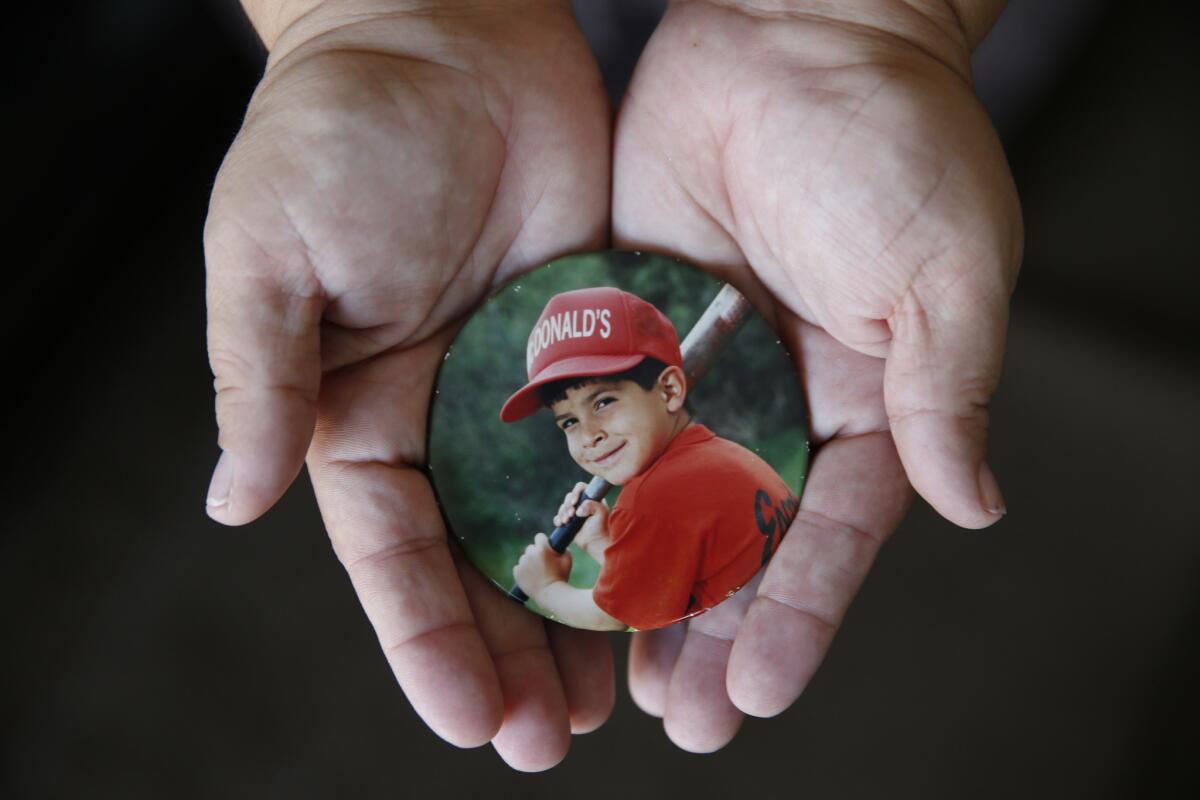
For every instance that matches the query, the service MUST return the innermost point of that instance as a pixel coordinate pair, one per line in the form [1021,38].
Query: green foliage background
[499,484]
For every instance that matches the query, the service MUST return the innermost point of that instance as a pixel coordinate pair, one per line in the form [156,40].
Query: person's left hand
[540,566]
[398,163]
[833,163]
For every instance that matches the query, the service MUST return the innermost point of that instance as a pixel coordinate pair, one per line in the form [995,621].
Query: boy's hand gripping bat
[718,322]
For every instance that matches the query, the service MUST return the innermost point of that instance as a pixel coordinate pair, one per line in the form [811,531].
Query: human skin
[400,160]
[614,430]
[593,536]
[831,160]
[542,574]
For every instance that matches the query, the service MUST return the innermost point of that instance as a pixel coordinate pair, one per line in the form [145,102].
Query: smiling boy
[698,515]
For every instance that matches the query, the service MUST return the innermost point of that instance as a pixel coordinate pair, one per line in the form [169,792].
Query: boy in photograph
[698,515]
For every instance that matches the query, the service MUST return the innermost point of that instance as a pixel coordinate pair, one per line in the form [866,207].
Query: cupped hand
[843,174]
[394,167]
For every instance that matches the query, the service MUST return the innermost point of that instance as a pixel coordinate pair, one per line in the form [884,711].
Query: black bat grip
[563,535]
[560,539]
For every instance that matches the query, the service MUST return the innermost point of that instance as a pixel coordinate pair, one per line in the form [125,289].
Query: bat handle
[563,535]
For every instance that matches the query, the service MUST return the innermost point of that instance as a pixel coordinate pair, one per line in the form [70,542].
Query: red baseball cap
[591,332]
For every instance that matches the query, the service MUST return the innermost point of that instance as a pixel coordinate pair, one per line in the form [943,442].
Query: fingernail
[221,484]
[989,491]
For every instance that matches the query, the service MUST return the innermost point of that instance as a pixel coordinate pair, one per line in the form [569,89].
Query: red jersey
[690,530]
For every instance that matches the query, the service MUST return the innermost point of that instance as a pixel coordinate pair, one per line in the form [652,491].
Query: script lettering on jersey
[773,518]
[577,324]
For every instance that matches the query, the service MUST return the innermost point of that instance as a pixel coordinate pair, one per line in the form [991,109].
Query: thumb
[264,349]
[943,365]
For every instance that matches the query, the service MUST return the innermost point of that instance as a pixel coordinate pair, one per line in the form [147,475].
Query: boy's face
[616,429]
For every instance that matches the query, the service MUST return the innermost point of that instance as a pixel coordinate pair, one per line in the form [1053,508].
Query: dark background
[152,653]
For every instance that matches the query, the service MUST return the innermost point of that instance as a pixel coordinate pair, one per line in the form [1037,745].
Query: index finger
[385,527]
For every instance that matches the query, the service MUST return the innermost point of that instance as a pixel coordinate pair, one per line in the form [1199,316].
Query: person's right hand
[832,161]
[396,164]
[592,537]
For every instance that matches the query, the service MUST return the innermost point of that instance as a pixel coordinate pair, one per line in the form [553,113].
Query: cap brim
[526,402]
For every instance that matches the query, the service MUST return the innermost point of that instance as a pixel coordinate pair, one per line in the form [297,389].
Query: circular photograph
[617,441]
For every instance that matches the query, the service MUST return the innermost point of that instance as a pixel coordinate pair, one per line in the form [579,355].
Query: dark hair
[645,374]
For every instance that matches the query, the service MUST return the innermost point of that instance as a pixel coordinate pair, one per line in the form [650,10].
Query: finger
[264,349]
[856,494]
[585,666]
[700,717]
[942,367]
[385,526]
[652,656]
[536,731]
[389,535]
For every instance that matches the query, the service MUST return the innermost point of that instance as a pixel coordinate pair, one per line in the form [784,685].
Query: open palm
[391,172]
[847,178]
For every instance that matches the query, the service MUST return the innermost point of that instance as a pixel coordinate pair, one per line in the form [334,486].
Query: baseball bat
[718,322]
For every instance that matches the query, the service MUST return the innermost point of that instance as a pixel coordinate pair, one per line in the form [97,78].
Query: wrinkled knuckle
[817,522]
[396,551]
[819,618]
[976,388]
[234,390]
[231,369]
[970,410]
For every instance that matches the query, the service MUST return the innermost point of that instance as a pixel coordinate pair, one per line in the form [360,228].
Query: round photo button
[617,441]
